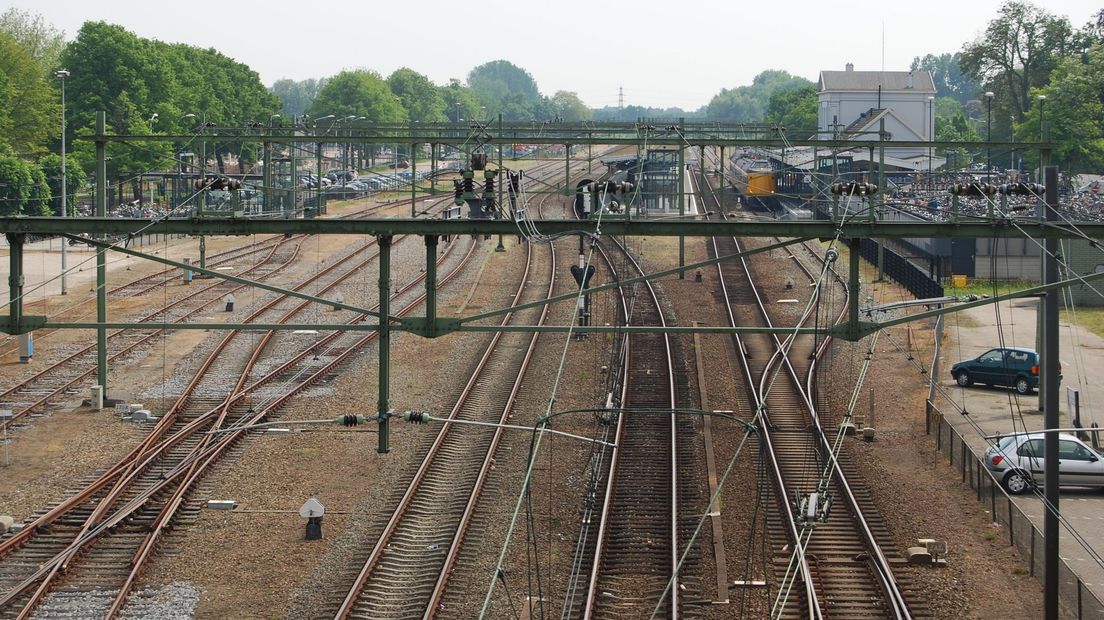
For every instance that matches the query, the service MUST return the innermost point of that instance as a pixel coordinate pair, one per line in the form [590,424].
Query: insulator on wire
[1023,189]
[458,191]
[852,188]
[973,189]
[416,417]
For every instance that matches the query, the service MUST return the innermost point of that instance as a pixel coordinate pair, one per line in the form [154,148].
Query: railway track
[632,568]
[75,372]
[140,286]
[848,567]
[406,572]
[127,509]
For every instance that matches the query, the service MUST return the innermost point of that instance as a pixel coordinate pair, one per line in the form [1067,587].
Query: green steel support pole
[567,169]
[1040,316]
[682,204]
[431,285]
[202,201]
[15,280]
[701,178]
[501,179]
[266,180]
[1049,363]
[853,285]
[101,254]
[413,180]
[318,191]
[641,205]
[881,197]
[293,150]
[383,404]
[433,168]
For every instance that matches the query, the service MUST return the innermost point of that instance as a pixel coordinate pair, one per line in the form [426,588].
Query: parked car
[1013,367]
[1017,462]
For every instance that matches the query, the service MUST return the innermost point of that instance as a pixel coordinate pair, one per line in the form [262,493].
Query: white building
[851,103]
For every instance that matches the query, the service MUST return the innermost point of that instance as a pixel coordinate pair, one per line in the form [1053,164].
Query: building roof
[871,80]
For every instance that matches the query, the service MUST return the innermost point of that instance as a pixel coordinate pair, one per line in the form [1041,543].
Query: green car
[1008,366]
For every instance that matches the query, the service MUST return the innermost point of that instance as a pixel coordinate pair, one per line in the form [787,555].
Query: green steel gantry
[652,133]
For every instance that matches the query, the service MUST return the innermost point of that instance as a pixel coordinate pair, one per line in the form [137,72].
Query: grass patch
[1091,319]
[987,287]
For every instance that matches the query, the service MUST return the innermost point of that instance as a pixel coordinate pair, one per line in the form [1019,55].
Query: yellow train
[761,181]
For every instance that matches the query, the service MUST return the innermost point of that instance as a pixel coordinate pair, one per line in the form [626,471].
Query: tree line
[1046,76]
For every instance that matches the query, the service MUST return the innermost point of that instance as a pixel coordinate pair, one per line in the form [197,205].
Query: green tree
[794,108]
[631,113]
[39,39]
[1017,52]
[419,96]
[29,113]
[947,75]
[114,71]
[506,88]
[75,179]
[745,104]
[23,188]
[460,101]
[568,107]
[955,127]
[1073,114]
[296,96]
[358,93]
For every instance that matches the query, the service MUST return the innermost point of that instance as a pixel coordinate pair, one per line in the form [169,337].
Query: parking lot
[999,410]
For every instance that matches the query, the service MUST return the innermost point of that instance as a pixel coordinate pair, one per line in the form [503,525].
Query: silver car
[1017,462]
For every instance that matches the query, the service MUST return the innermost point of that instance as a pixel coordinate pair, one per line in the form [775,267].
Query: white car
[1017,462]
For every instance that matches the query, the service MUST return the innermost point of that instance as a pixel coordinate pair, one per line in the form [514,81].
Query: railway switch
[815,507]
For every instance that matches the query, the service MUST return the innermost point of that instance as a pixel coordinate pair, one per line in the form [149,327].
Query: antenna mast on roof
[620,98]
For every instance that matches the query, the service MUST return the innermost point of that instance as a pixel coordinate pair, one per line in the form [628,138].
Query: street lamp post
[61,74]
[988,135]
[1042,101]
[931,136]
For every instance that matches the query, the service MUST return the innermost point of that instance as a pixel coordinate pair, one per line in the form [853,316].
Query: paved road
[1000,410]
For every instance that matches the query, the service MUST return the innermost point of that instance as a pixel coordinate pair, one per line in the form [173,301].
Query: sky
[660,54]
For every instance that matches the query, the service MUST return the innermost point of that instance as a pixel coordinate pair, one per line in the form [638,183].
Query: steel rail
[882,572]
[812,603]
[122,483]
[399,513]
[607,502]
[149,318]
[203,421]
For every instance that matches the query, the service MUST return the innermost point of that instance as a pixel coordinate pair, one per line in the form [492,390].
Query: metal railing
[902,271]
[1075,601]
